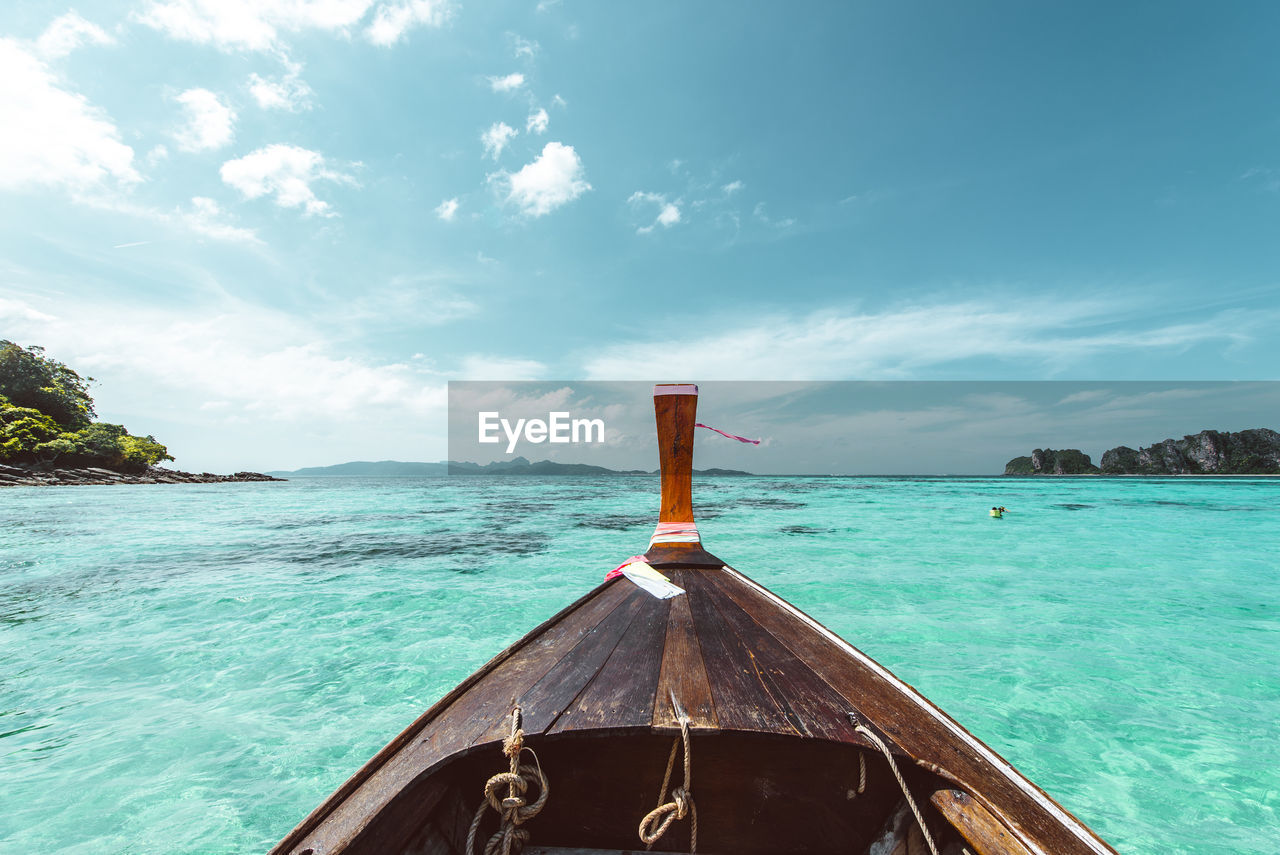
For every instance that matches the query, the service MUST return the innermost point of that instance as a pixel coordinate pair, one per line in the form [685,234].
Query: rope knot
[682,799]
[513,808]
[657,821]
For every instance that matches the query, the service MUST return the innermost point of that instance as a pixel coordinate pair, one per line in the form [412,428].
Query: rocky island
[49,436]
[1046,461]
[1209,452]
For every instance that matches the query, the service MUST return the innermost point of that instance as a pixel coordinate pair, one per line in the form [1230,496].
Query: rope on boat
[514,809]
[656,821]
[862,776]
[902,782]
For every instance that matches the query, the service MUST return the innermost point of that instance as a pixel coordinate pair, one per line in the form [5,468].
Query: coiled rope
[902,782]
[514,809]
[656,821]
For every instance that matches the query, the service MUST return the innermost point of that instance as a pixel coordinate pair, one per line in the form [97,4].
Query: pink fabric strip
[675,532]
[730,435]
[617,571]
[687,389]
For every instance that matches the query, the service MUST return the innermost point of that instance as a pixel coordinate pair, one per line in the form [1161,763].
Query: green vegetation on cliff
[1046,461]
[1210,452]
[46,417]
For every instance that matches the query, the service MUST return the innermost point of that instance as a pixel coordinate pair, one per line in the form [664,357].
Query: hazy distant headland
[516,466]
[1209,452]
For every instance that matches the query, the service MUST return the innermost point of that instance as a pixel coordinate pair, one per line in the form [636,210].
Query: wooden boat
[773,734]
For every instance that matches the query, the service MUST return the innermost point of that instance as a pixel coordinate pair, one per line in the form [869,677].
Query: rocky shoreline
[37,476]
[1209,452]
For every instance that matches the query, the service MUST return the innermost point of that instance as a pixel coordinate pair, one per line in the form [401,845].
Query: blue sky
[274,230]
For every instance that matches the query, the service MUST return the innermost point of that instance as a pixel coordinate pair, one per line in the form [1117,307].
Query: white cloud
[16,310]
[54,137]
[285,172]
[207,218]
[668,212]
[901,342]
[289,92]
[273,380]
[210,124]
[525,47]
[258,24]
[482,367]
[732,187]
[669,216]
[510,83]
[762,215]
[392,20]
[67,33]
[427,299]
[538,122]
[555,178]
[448,209]
[248,24]
[496,138]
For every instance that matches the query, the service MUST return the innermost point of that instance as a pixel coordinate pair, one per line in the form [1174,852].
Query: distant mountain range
[515,466]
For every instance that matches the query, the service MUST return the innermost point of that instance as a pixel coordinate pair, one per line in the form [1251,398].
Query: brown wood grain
[986,834]
[683,674]
[755,794]
[676,415]
[741,700]
[811,705]
[546,700]
[451,724]
[923,737]
[622,691]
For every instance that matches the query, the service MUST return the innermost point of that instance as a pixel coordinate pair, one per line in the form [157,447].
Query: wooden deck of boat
[736,659]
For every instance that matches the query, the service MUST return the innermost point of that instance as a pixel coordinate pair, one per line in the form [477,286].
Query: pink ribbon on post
[729,435]
[617,571]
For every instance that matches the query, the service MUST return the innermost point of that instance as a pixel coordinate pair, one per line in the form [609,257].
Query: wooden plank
[742,701]
[928,741]
[755,793]
[809,702]
[986,834]
[622,691]
[684,674]
[546,700]
[451,724]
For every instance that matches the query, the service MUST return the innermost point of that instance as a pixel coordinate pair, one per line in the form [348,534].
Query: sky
[273,230]
[895,427]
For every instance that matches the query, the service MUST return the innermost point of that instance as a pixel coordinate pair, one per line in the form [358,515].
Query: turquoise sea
[191,669]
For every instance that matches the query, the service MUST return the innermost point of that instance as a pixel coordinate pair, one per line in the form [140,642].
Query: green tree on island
[46,417]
